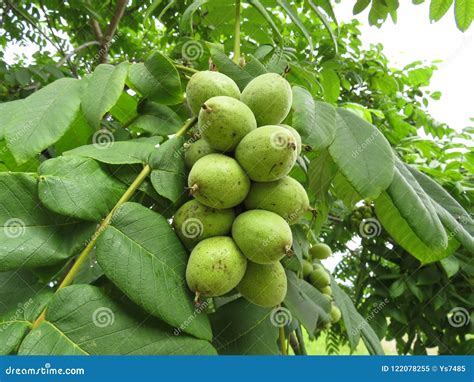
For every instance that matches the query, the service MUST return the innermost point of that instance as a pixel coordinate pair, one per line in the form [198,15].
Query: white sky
[412,38]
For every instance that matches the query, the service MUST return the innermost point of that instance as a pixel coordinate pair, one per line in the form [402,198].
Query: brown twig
[111,29]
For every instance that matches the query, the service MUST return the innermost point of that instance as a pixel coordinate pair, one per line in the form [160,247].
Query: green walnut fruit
[318,266]
[320,251]
[327,297]
[286,197]
[267,153]
[270,97]
[206,84]
[194,222]
[196,151]
[335,314]
[307,268]
[218,181]
[296,135]
[326,290]
[224,121]
[264,284]
[215,267]
[319,278]
[262,236]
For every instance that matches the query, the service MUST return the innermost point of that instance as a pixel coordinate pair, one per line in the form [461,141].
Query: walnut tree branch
[111,29]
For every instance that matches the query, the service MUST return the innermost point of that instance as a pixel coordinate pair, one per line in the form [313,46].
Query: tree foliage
[91,144]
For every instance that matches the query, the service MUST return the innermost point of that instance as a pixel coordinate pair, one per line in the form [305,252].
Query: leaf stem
[282,341]
[92,242]
[186,69]
[187,125]
[105,223]
[299,336]
[237,32]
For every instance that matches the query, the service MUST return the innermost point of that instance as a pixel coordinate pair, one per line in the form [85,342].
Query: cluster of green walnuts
[360,214]
[316,274]
[237,226]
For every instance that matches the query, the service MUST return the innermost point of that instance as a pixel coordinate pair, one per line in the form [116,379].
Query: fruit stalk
[237,33]
[185,69]
[105,223]
[299,336]
[282,341]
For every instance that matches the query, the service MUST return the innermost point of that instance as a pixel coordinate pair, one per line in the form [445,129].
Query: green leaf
[186,22]
[151,8]
[242,328]
[401,232]
[297,21]
[140,254]
[415,289]
[325,21]
[439,195]
[355,324]
[331,85]
[268,18]
[321,172]
[344,191]
[11,335]
[169,175]
[22,298]
[438,8]
[314,120]
[229,68]
[326,6]
[397,288]
[362,154]
[359,6]
[136,151]
[18,289]
[103,90]
[83,319]
[450,265]
[78,187]
[416,208]
[9,164]
[455,228]
[8,111]
[80,133]
[157,79]
[125,109]
[306,303]
[378,12]
[156,119]
[42,119]
[30,235]
[464,13]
